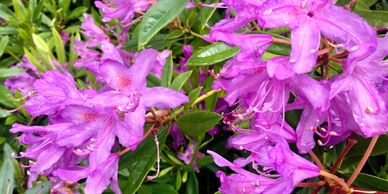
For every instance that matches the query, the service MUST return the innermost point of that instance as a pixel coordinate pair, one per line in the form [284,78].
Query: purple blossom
[123,10]
[273,154]
[308,19]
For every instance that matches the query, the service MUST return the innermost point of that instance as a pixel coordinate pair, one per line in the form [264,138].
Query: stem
[314,184]
[363,160]
[350,144]
[196,35]
[283,41]
[340,181]
[198,100]
[316,160]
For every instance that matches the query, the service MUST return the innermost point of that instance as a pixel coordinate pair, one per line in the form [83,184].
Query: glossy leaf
[198,123]
[158,16]
[180,80]
[10,72]
[167,72]
[192,186]
[370,182]
[59,46]
[157,189]
[140,161]
[375,18]
[212,54]
[3,44]
[7,180]
[41,188]
[40,43]
[77,12]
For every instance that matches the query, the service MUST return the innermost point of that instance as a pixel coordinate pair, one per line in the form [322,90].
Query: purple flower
[54,91]
[123,10]
[272,154]
[130,94]
[307,19]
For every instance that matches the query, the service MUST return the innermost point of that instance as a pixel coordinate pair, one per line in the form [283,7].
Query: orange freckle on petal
[124,81]
[88,117]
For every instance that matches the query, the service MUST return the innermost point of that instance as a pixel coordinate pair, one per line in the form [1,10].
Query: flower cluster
[86,128]
[333,106]
[334,74]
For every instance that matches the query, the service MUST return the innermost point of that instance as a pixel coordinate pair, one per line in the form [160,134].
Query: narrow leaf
[180,80]
[10,72]
[59,46]
[40,43]
[3,44]
[167,72]
[7,171]
[198,123]
[140,161]
[158,16]
[212,54]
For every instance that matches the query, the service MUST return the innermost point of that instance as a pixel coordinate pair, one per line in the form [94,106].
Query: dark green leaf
[375,18]
[194,95]
[157,189]
[140,161]
[180,80]
[212,54]
[3,44]
[77,12]
[370,182]
[152,80]
[41,188]
[198,123]
[192,186]
[158,16]
[4,99]
[4,113]
[167,72]
[59,46]
[7,171]
[206,13]
[10,72]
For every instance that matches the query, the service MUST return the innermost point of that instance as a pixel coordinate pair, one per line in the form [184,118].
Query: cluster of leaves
[33,29]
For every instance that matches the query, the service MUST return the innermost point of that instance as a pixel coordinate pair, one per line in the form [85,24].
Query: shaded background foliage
[34,28]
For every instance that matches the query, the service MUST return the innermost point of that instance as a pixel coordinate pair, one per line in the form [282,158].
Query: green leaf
[59,46]
[152,80]
[158,16]
[180,80]
[167,72]
[40,43]
[375,18]
[192,186]
[357,151]
[205,14]
[368,3]
[5,12]
[198,123]
[369,182]
[7,171]
[194,95]
[157,189]
[212,54]
[140,161]
[4,93]
[4,113]
[3,44]
[33,60]
[41,188]
[10,72]
[77,12]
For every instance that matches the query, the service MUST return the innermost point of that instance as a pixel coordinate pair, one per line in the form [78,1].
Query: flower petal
[305,41]
[163,97]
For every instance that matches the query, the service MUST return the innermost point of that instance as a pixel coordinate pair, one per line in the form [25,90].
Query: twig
[316,160]
[350,144]
[363,160]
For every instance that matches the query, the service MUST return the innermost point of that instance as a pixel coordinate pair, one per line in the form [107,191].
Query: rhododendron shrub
[179,96]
